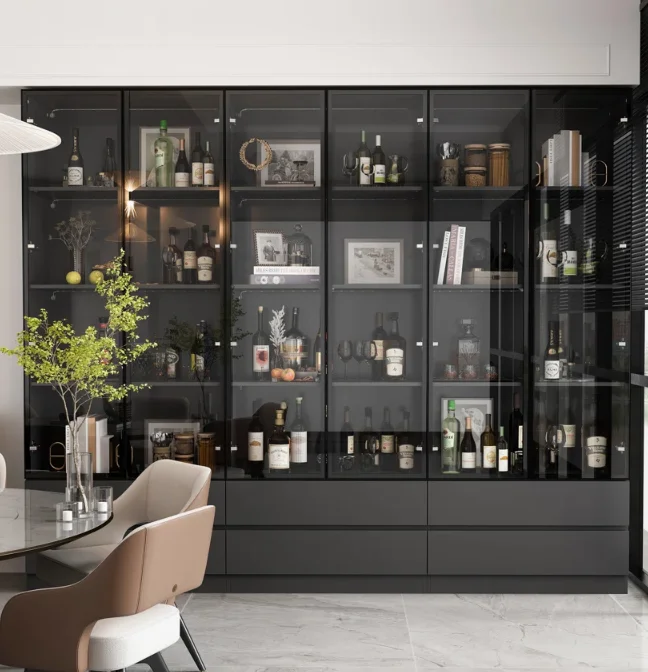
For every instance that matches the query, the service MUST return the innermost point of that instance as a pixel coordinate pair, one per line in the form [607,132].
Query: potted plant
[84,367]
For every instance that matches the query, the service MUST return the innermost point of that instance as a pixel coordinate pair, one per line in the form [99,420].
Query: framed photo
[373,262]
[148,136]
[269,248]
[168,427]
[295,163]
[477,410]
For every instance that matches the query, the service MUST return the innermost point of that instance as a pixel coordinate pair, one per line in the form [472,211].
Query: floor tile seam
[625,611]
[409,633]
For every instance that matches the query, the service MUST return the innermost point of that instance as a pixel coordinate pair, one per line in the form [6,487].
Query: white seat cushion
[82,559]
[117,643]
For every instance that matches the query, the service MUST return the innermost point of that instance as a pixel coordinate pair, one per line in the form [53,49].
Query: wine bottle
[197,178]
[75,163]
[562,352]
[541,432]
[182,169]
[387,438]
[295,347]
[468,449]
[406,448]
[255,442]
[197,353]
[567,426]
[364,163]
[379,336]
[552,452]
[370,442]
[489,446]
[395,352]
[109,165]
[209,172]
[260,351]
[164,168]
[551,361]
[298,438]
[516,438]
[189,262]
[206,259]
[450,441]
[172,260]
[279,447]
[378,160]
[347,438]
[595,446]
[569,251]
[503,460]
[318,353]
[547,257]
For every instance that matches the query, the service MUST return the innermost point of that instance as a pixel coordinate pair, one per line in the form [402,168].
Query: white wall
[331,42]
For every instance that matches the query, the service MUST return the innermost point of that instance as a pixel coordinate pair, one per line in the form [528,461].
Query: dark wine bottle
[260,351]
[387,437]
[369,443]
[255,442]
[209,172]
[364,163]
[551,361]
[379,336]
[172,261]
[182,169]
[547,255]
[318,354]
[279,447]
[395,352]
[296,345]
[347,441]
[516,438]
[109,165]
[489,446]
[197,177]
[75,163]
[189,262]
[206,259]
[568,249]
[468,449]
[379,164]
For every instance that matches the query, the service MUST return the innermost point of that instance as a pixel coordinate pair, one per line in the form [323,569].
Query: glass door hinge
[31,246]
[419,344]
[419,246]
[232,246]
[233,448]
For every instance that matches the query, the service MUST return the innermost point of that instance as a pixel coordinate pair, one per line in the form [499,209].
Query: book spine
[452,254]
[461,243]
[286,270]
[551,168]
[444,257]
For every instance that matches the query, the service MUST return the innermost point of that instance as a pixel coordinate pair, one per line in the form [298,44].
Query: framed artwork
[168,427]
[295,163]
[148,136]
[373,262]
[477,410]
[269,248]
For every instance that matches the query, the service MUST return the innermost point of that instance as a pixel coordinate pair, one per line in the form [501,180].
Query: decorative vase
[78,263]
[78,491]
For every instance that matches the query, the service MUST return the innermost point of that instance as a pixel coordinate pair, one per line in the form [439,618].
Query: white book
[444,257]
[452,254]
[286,270]
[461,244]
[551,166]
[82,435]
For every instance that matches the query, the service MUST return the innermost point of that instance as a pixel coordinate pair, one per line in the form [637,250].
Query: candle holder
[103,500]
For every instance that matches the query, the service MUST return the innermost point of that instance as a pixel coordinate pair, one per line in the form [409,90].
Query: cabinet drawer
[324,552]
[216,557]
[217,499]
[528,552]
[338,504]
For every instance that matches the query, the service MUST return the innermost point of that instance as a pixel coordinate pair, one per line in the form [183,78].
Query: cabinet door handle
[419,344]
[232,246]
[233,344]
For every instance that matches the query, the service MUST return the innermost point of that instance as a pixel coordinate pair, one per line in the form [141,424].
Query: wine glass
[369,353]
[350,165]
[358,355]
[345,351]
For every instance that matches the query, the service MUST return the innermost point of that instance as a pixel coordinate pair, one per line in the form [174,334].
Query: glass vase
[78,262]
[78,491]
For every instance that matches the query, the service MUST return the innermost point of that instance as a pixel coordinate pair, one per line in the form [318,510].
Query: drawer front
[326,552]
[528,552]
[216,558]
[217,499]
[528,503]
[337,504]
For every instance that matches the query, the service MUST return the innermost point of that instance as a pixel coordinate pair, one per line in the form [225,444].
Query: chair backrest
[174,487]
[3,473]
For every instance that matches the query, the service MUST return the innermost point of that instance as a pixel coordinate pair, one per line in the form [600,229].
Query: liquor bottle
[468,351]
[551,361]
[369,442]
[562,352]
[109,165]
[387,437]
[505,260]
[595,445]
[255,442]
[468,449]
[406,446]
[395,352]
[189,262]
[516,438]
[298,437]
[569,251]
[553,445]
[378,160]
[260,351]
[172,260]
[489,446]
[364,163]
[197,178]
[547,257]
[182,169]
[567,426]
[198,351]
[284,411]
[209,172]
[347,438]
[502,453]
[75,163]
[379,336]
[541,432]
[451,430]
[279,447]
[295,347]
[318,353]
[206,259]
[164,168]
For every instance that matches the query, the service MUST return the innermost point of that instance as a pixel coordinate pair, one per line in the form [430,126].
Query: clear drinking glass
[103,500]
[78,467]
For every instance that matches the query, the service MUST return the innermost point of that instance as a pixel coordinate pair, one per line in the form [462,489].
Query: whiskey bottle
[209,173]
[255,442]
[182,169]
[387,438]
[450,441]
[206,259]
[489,446]
[395,352]
[260,351]
[197,177]
[468,449]
[172,261]
[379,336]
[75,163]
[189,262]
[279,447]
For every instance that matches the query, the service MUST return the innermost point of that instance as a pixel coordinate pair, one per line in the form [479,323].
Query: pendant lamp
[19,137]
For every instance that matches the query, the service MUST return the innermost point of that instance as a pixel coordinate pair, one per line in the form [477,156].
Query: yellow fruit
[95,277]
[276,373]
[73,278]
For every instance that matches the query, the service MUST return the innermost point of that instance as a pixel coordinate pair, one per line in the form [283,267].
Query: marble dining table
[28,522]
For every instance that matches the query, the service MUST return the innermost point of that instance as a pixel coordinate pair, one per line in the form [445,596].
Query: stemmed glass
[369,353]
[358,355]
[350,165]
[345,351]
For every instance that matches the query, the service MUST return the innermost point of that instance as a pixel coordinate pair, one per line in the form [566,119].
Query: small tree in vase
[84,367]
[75,234]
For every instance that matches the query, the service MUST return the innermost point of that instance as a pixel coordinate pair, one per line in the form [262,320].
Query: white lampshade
[18,137]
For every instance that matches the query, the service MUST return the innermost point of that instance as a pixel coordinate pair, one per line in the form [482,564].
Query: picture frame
[295,163]
[476,408]
[373,261]
[148,135]
[173,426]
[269,249]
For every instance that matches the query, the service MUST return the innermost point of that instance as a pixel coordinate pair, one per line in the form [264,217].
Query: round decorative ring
[253,166]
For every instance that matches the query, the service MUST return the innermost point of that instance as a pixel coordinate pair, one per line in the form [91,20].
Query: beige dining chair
[165,488]
[121,613]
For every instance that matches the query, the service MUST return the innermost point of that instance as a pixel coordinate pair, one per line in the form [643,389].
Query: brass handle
[539,176]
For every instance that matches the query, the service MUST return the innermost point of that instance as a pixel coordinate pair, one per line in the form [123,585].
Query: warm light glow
[130,210]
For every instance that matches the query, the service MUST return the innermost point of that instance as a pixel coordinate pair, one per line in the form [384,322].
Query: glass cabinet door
[276,274]
[478,262]
[72,211]
[581,227]
[173,235]
[377,278]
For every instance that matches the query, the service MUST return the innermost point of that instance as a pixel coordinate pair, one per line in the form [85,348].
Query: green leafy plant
[83,367]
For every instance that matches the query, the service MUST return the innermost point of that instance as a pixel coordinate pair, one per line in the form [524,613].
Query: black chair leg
[191,647]
[156,663]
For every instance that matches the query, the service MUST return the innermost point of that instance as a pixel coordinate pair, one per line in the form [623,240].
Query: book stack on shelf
[564,164]
[285,275]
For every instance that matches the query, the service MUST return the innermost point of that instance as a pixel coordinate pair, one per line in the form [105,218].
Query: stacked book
[93,438]
[452,256]
[564,163]
[285,275]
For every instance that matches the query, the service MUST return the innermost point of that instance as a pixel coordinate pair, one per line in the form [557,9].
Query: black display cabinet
[426,248]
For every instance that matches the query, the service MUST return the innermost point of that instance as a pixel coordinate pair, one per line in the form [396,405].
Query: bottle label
[394,364]
[255,446]
[261,358]
[570,264]
[318,362]
[570,436]
[387,443]
[468,460]
[299,447]
[172,359]
[189,259]
[520,437]
[552,369]
[406,456]
[279,456]
[549,259]
[209,175]
[448,445]
[179,265]
[197,173]
[596,451]
[197,363]
[182,179]
[502,460]
[490,457]
[350,447]
[379,173]
[75,176]
[380,351]
[205,269]
[365,170]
